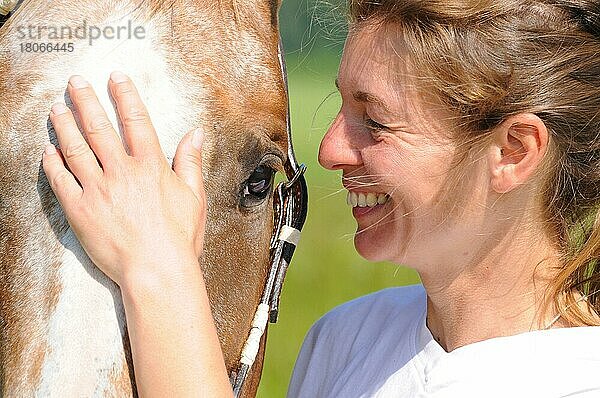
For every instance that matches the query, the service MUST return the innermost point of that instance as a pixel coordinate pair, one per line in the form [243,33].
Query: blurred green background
[326,270]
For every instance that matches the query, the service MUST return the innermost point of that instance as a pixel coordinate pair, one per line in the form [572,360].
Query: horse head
[197,64]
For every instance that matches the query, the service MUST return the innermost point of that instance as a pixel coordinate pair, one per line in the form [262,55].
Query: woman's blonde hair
[490,59]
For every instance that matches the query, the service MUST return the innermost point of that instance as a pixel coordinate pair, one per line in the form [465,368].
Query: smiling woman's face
[388,144]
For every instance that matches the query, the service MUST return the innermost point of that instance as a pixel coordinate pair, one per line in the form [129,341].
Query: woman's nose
[337,150]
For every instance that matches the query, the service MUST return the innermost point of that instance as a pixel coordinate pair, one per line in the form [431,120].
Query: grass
[326,270]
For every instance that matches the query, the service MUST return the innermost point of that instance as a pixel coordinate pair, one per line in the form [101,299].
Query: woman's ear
[519,146]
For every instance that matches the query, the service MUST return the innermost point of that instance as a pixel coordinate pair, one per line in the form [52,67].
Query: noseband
[290,208]
[290,204]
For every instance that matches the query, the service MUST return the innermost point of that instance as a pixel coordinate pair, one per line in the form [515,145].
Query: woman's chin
[368,247]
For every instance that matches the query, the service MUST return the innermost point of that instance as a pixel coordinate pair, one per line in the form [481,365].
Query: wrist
[160,272]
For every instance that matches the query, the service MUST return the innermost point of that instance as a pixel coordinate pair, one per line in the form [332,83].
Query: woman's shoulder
[402,305]
[375,329]
[391,314]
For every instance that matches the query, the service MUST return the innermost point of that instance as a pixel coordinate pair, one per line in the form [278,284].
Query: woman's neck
[499,294]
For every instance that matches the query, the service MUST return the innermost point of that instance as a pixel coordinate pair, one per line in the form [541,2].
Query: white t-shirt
[379,346]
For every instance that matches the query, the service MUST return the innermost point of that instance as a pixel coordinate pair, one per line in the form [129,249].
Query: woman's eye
[373,125]
[258,186]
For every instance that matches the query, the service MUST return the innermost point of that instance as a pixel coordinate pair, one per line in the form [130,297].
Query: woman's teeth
[361,199]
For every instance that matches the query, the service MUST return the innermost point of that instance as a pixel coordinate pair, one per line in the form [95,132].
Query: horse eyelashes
[258,186]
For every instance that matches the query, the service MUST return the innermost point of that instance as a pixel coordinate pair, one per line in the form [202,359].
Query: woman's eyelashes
[375,127]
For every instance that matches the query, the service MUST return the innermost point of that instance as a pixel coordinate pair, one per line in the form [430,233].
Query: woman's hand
[125,208]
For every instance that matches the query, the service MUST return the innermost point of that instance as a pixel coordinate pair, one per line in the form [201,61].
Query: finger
[75,149]
[187,163]
[138,130]
[61,181]
[101,136]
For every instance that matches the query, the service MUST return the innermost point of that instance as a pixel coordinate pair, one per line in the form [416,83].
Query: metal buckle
[299,173]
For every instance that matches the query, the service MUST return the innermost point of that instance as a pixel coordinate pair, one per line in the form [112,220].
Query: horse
[197,63]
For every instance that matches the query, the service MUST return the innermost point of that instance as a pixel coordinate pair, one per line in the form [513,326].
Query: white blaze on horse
[196,63]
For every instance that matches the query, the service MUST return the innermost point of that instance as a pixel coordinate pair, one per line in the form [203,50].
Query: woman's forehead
[372,72]
[371,55]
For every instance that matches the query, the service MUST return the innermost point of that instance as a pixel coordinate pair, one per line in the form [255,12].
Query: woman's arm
[142,223]
[174,343]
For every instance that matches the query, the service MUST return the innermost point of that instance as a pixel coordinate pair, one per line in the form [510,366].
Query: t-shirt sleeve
[309,371]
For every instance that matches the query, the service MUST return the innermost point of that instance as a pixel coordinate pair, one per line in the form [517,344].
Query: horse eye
[258,186]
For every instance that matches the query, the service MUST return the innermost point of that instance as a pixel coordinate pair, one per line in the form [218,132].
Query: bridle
[290,208]
[290,205]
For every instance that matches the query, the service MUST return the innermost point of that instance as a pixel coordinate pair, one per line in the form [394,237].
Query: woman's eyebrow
[361,96]
[364,97]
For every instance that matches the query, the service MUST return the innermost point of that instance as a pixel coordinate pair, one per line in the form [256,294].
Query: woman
[468,141]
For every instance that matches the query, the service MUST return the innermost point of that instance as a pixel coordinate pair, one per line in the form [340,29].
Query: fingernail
[78,82]
[59,108]
[50,149]
[118,77]
[198,139]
